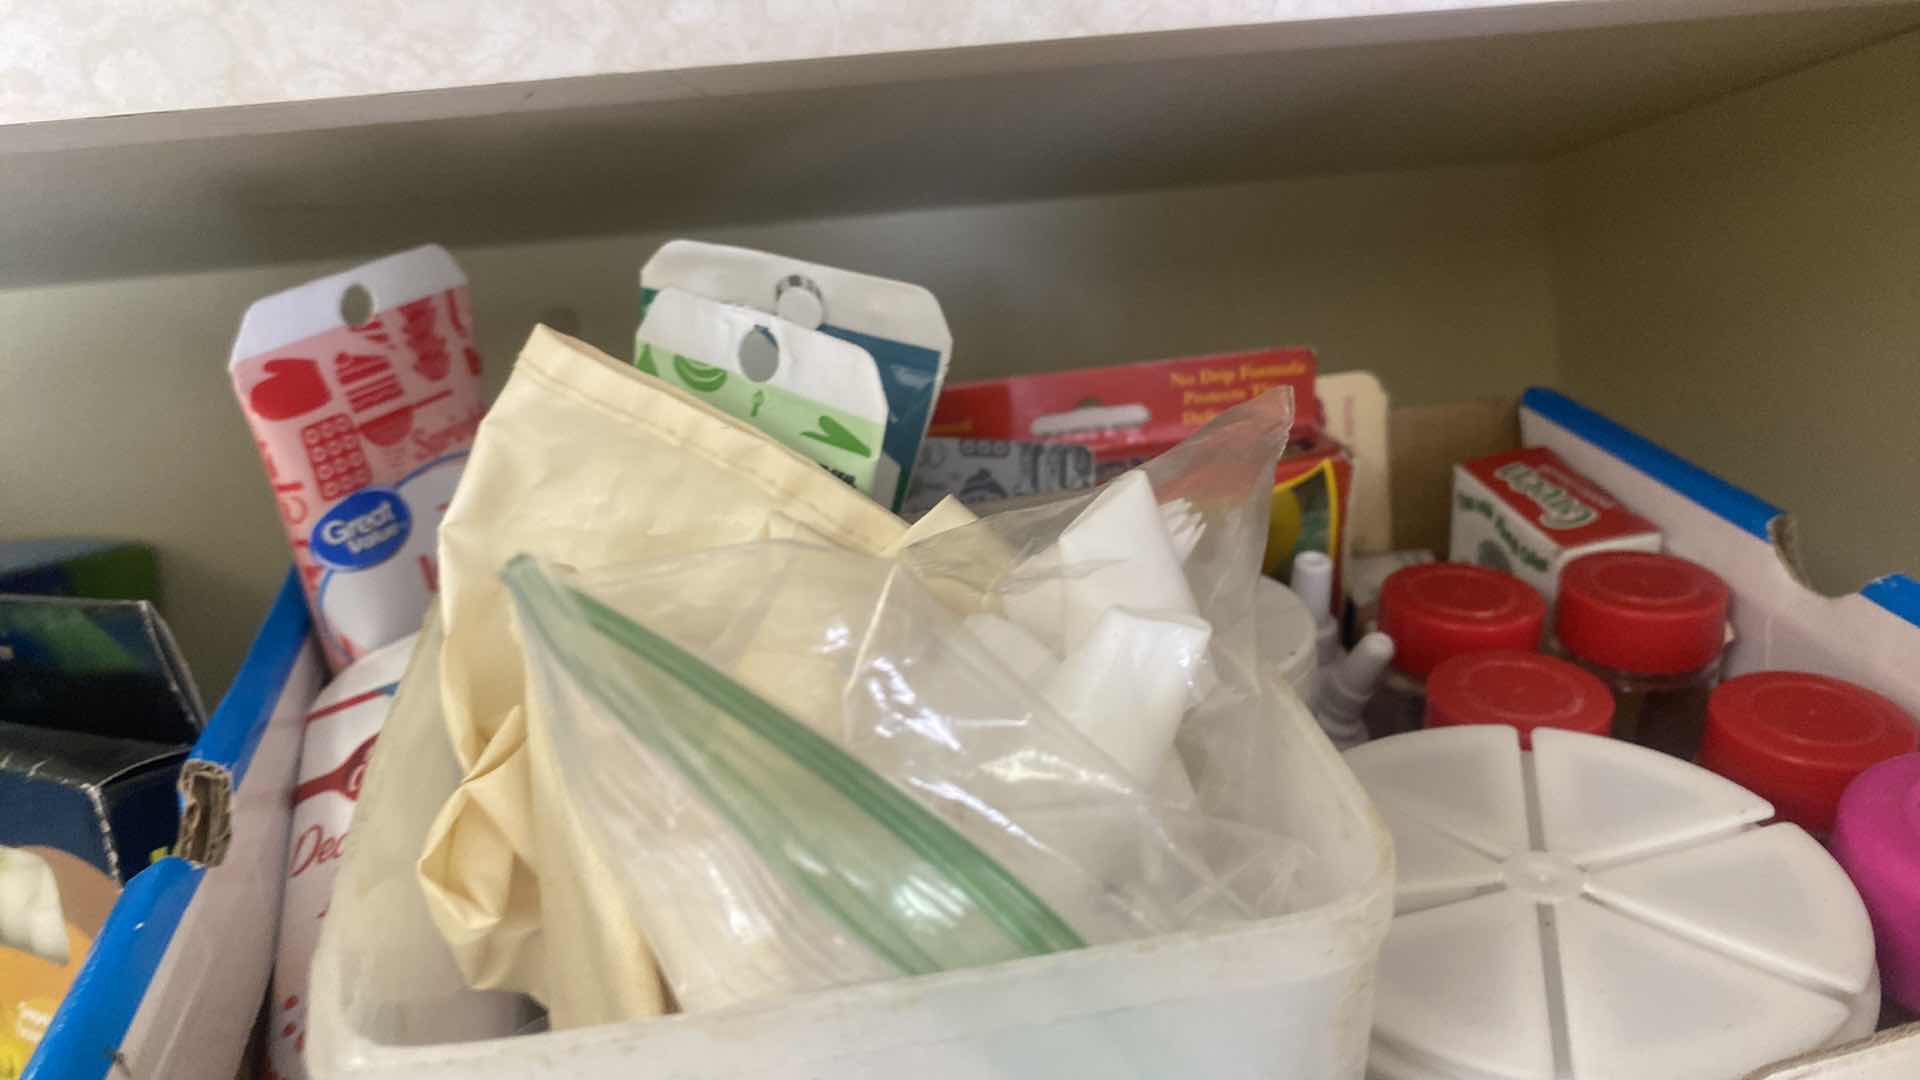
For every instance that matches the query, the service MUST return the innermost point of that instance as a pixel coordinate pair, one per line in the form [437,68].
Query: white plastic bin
[1286,997]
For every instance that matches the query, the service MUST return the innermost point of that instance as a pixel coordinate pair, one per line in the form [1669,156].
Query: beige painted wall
[1742,283]
[1760,250]
[116,418]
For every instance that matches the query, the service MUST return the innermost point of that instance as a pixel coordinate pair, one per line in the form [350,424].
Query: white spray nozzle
[1313,581]
[1344,688]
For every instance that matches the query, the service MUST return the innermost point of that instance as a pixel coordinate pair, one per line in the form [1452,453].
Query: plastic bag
[806,767]
[584,460]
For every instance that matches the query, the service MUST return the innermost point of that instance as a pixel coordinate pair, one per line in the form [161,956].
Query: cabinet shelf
[1313,88]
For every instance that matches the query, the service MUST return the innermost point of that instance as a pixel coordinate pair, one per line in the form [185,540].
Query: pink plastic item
[1876,838]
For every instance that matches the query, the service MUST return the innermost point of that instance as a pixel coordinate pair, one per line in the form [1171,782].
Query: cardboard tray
[175,982]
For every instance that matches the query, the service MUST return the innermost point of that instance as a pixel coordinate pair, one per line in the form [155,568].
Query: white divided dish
[1596,909]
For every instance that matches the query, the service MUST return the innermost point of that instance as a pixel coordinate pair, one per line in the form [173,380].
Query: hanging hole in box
[799,301]
[356,305]
[759,355]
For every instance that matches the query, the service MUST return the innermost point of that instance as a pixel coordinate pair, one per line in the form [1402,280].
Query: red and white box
[341,728]
[1526,512]
[1129,413]
[364,428]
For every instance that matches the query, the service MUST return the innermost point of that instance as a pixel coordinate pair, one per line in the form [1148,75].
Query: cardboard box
[980,472]
[1528,513]
[1129,413]
[175,981]
[102,569]
[83,814]
[103,667]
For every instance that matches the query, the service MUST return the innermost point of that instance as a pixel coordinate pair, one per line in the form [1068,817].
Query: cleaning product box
[1131,412]
[1528,513]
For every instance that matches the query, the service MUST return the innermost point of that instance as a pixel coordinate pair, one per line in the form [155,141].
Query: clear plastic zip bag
[808,767]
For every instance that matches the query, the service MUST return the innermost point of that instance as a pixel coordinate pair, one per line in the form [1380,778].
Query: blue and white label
[364,529]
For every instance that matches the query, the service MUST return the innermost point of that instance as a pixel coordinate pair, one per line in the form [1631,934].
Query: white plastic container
[1597,909]
[1289,636]
[1287,997]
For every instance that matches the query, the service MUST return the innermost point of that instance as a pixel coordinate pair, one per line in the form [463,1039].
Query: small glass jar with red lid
[1438,611]
[1522,690]
[1797,740]
[1653,628]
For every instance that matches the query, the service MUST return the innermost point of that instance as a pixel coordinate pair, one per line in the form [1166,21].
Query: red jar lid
[1641,612]
[1797,739]
[1448,609]
[1519,689]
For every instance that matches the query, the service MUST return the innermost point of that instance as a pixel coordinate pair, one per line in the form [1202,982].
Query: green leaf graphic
[702,377]
[645,361]
[833,433]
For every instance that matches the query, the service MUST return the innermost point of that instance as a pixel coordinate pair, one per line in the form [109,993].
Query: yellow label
[30,993]
[1305,517]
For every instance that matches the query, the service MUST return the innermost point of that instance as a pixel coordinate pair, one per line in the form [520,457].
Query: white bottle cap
[1313,580]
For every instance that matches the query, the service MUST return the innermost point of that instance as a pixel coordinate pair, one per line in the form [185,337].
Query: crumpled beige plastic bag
[584,461]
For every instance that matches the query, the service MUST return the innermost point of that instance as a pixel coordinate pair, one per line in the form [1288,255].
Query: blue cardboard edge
[93,1018]
[84,1037]
[1897,594]
[233,733]
[1747,511]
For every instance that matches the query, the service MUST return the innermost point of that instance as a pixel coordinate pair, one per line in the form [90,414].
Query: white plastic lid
[1597,909]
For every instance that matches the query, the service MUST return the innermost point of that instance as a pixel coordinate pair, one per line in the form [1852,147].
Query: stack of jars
[1634,648]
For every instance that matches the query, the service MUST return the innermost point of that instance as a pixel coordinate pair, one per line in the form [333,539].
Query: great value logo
[1559,509]
[364,529]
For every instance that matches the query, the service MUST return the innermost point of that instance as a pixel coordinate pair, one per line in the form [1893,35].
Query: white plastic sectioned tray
[1597,909]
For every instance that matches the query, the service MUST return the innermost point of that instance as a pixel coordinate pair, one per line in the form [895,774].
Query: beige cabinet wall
[1742,283]
[116,417]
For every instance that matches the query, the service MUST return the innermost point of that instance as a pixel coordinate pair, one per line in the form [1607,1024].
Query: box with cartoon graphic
[1528,513]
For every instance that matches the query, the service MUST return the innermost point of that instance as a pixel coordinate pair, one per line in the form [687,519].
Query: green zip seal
[762,817]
